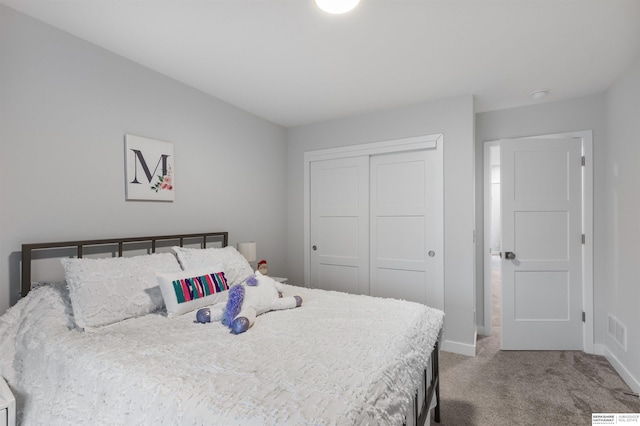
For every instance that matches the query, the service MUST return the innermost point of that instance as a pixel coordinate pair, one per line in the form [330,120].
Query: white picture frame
[149,169]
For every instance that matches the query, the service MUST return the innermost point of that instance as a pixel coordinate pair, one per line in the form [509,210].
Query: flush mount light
[337,6]
[539,94]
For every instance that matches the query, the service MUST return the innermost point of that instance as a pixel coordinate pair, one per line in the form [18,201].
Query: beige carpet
[535,388]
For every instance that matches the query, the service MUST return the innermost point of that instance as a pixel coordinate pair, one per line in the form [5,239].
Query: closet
[375,219]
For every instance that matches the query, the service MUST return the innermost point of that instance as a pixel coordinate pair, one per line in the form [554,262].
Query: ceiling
[289,62]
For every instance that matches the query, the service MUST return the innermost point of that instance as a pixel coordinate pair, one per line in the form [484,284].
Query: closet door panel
[400,239]
[399,184]
[406,222]
[339,278]
[339,225]
[400,284]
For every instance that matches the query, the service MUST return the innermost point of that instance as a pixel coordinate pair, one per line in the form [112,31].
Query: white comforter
[338,359]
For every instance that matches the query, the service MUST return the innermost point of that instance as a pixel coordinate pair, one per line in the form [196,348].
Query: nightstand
[7,405]
[280,279]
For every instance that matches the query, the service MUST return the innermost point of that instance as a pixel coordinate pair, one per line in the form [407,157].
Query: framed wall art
[149,169]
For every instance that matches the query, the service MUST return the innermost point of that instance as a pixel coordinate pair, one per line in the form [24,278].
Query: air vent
[617,331]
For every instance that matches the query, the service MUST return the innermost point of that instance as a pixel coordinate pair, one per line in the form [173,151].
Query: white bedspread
[337,359]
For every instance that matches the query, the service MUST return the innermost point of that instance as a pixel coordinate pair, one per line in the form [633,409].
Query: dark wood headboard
[27,249]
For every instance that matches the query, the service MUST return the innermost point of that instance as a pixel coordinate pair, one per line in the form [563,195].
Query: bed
[337,359]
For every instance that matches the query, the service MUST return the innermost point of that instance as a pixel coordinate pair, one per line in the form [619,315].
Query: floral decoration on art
[164,182]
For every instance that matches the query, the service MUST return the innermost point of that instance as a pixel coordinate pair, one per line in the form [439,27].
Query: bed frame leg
[431,389]
[436,374]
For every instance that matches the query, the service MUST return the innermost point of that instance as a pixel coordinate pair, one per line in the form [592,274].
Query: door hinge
[584,239]
[584,161]
[584,317]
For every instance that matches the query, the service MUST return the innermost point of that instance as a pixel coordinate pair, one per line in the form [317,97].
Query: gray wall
[65,107]
[621,203]
[554,117]
[451,117]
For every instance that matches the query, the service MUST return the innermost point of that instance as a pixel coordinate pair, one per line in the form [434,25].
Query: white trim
[628,378]
[587,223]
[383,147]
[373,148]
[459,348]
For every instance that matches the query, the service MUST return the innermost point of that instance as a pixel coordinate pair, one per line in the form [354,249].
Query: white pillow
[108,290]
[235,266]
[187,291]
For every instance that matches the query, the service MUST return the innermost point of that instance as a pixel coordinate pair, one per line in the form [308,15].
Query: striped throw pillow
[187,291]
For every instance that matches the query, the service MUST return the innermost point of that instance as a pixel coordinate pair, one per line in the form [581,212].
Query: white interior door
[339,224]
[541,197]
[407,227]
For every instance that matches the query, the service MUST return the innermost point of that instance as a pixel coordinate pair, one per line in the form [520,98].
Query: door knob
[314,248]
[509,255]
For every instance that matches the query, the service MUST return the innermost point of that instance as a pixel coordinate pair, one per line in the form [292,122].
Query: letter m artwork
[150,173]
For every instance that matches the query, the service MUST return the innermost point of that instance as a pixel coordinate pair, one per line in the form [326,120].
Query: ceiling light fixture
[337,6]
[539,94]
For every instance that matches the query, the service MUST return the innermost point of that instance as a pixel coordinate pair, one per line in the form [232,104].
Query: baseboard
[482,331]
[598,349]
[459,348]
[628,378]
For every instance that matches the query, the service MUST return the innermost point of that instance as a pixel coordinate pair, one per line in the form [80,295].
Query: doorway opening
[495,240]
[496,290]
[492,239]
[492,278]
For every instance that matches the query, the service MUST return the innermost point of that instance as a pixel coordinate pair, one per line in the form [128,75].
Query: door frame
[587,229]
[383,147]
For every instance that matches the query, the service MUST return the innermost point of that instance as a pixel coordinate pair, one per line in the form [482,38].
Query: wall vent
[617,331]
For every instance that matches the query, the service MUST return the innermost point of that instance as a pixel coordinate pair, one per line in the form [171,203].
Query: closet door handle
[314,248]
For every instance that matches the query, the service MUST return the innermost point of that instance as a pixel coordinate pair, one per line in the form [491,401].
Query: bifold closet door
[339,224]
[406,227]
